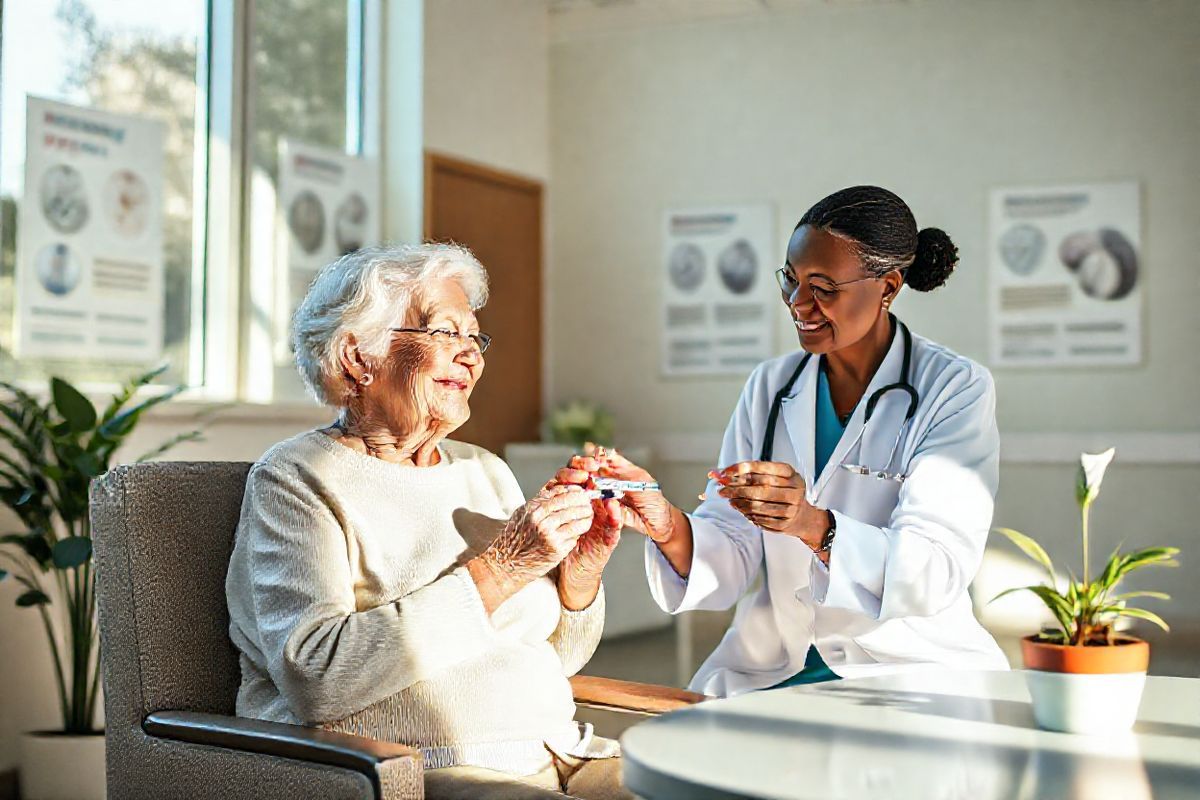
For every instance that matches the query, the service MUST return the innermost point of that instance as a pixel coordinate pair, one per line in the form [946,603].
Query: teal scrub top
[829,433]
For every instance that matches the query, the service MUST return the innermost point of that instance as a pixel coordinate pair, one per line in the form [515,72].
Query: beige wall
[487,82]
[940,100]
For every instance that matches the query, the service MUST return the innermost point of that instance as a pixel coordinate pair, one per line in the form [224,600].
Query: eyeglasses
[824,292]
[444,336]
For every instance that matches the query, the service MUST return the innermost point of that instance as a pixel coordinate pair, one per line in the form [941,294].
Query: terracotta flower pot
[1092,689]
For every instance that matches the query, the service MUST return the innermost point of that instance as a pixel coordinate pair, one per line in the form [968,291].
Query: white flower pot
[1093,689]
[55,766]
[1091,704]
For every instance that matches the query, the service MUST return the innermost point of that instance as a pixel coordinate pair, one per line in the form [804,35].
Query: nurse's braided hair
[883,230]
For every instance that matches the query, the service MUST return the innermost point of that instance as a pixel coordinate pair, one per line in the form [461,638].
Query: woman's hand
[648,513]
[772,496]
[538,536]
[579,573]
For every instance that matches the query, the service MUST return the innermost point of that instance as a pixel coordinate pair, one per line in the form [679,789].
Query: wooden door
[498,216]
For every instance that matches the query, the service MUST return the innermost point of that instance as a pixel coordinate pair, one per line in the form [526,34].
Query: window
[135,57]
[228,79]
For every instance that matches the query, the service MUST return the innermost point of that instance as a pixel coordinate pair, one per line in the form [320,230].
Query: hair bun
[936,258]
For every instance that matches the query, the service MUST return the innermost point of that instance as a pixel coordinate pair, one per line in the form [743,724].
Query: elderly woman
[389,582]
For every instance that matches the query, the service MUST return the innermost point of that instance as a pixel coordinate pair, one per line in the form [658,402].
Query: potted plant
[49,453]
[578,422]
[1083,675]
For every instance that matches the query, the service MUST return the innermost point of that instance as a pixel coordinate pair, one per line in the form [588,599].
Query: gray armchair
[163,533]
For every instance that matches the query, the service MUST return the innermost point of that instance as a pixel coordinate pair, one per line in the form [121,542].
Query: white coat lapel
[799,416]
[888,373]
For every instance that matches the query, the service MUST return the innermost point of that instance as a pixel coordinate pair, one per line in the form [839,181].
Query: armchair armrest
[631,697]
[394,770]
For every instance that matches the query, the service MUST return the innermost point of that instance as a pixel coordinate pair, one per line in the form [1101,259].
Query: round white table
[933,735]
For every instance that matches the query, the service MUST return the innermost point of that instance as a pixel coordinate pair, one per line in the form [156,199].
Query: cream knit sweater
[352,609]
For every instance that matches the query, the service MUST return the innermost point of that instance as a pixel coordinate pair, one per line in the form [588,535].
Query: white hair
[365,293]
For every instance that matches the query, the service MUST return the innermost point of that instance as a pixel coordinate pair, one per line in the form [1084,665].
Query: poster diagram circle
[127,203]
[306,219]
[1021,248]
[686,267]
[738,266]
[1104,262]
[64,198]
[350,224]
[57,269]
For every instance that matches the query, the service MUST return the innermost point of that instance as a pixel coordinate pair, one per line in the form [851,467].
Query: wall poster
[718,290]
[1066,272]
[89,276]
[328,206]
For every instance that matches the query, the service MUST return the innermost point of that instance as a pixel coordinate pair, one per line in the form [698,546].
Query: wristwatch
[827,539]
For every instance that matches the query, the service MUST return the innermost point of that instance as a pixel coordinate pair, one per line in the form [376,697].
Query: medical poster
[328,206]
[718,290]
[1066,276]
[89,271]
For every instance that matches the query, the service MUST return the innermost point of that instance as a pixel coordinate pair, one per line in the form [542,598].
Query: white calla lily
[1091,474]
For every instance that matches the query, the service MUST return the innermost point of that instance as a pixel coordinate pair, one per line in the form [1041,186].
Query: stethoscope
[903,385]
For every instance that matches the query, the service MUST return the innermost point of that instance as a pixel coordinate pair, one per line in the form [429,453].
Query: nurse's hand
[771,495]
[648,513]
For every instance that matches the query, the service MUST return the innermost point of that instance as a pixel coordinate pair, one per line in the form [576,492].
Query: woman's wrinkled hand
[539,535]
[772,495]
[648,513]
[580,572]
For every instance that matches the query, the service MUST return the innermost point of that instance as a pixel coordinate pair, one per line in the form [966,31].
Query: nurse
[856,480]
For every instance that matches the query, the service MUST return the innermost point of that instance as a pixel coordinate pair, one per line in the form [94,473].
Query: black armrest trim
[314,745]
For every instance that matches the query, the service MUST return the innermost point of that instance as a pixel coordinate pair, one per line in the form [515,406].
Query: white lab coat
[894,595]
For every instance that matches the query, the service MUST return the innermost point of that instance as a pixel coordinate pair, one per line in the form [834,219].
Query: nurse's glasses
[822,291]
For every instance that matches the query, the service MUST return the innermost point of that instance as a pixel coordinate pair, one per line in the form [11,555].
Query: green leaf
[1059,606]
[1081,488]
[1163,556]
[19,469]
[88,465]
[1121,598]
[1030,548]
[33,544]
[22,443]
[1141,613]
[33,597]
[76,410]
[72,552]
[128,390]
[1111,572]
[119,426]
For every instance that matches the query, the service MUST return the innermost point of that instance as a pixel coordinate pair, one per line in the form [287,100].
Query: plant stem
[92,655]
[1087,508]
[93,691]
[58,670]
[76,636]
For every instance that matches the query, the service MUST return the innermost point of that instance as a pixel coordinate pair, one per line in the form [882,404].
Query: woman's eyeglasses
[822,291]
[446,336]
